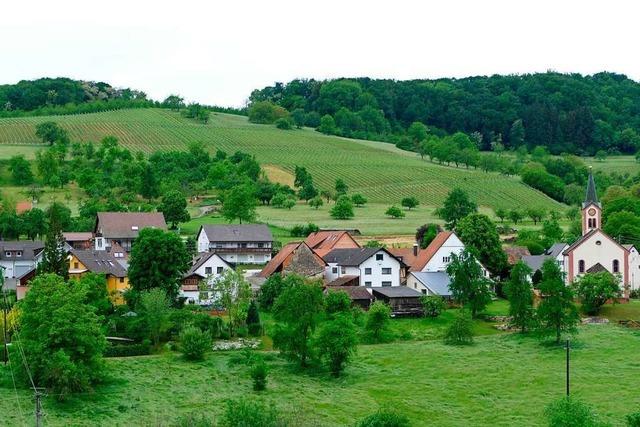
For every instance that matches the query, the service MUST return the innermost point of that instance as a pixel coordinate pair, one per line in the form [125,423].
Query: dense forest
[567,113]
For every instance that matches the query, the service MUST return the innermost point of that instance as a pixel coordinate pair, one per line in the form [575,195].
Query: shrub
[432,305]
[304,230]
[635,294]
[377,324]
[460,332]
[259,372]
[248,412]
[193,420]
[253,319]
[284,124]
[384,418]
[194,343]
[568,412]
[633,420]
[128,350]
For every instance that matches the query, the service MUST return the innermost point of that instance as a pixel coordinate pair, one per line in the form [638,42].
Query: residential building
[596,251]
[123,227]
[104,263]
[78,240]
[374,267]
[18,258]
[432,283]
[238,244]
[206,268]
[555,252]
[298,258]
[323,242]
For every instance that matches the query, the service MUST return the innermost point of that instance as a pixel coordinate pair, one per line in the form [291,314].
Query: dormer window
[18,253]
[134,227]
[7,254]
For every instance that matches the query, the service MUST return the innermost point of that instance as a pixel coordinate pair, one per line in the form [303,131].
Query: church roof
[596,268]
[591,197]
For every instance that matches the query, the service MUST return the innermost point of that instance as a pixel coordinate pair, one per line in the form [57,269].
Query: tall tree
[520,295]
[595,289]
[155,310]
[233,292]
[20,168]
[54,256]
[479,233]
[149,187]
[174,208]
[557,312]
[240,203]
[468,285]
[456,206]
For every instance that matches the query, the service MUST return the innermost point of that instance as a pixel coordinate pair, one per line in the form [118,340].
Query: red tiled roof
[277,260]
[322,242]
[425,255]
[515,253]
[23,206]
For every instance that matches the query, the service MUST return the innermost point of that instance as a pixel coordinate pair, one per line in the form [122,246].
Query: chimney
[415,249]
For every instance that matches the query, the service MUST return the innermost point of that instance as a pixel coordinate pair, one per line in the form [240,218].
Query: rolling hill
[380,171]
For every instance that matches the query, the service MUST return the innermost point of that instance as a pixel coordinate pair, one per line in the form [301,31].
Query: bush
[432,305]
[194,343]
[384,418]
[304,230]
[460,332]
[128,350]
[284,124]
[253,319]
[569,412]
[193,420]
[634,294]
[248,412]
[377,324]
[259,372]
[633,420]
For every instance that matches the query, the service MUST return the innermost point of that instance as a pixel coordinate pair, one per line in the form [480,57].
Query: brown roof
[344,281]
[354,292]
[23,206]
[322,242]
[596,268]
[77,236]
[276,262]
[127,224]
[100,262]
[295,257]
[405,254]
[425,255]
[515,253]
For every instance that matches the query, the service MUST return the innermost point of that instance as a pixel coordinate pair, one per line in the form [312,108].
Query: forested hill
[564,112]
[65,96]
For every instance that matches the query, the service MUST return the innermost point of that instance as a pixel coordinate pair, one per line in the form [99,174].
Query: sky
[217,52]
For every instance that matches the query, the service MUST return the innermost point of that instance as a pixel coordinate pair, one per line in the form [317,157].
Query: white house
[239,244]
[432,283]
[206,268]
[634,266]
[122,228]
[370,267]
[18,258]
[595,251]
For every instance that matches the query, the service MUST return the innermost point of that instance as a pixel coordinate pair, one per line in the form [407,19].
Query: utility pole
[38,408]
[567,368]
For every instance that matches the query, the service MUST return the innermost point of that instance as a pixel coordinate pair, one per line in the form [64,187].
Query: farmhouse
[433,283]
[241,244]
[123,227]
[206,268]
[78,240]
[373,267]
[82,262]
[324,241]
[403,301]
[298,258]
[596,251]
[17,258]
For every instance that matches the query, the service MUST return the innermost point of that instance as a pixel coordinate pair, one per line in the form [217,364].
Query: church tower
[591,208]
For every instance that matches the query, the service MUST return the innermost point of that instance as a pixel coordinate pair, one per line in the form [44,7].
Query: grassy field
[501,380]
[380,171]
[620,164]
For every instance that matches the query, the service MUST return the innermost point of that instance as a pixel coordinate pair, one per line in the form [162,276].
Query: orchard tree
[410,202]
[394,212]
[595,289]
[174,208]
[34,223]
[536,214]
[308,191]
[158,260]
[341,187]
[61,336]
[316,202]
[515,215]
[50,132]
[233,292]
[557,312]
[468,285]
[456,206]
[298,309]
[520,295]
[501,213]
[21,173]
[173,102]
[336,341]
[479,233]
[358,199]
[343,209]
[240,203]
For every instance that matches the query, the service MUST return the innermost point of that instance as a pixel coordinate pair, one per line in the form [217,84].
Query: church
[596,251]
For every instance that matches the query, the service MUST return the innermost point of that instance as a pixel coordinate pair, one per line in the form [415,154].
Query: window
[219,270]
[386,284]
[261,245]
[7,254]
[581,266]
[446,259]
[424,291]
[243,245]
[386,270]
[19,253]
[379,257]
[343,269]
[208,270]
[616,266]
[367,284]
[367,271]
[75,266]
[334,270]
[122,280]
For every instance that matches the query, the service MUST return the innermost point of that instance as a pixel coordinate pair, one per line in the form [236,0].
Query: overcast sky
[218,52]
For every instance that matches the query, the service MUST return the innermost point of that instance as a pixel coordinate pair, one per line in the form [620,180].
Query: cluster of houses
[398,276]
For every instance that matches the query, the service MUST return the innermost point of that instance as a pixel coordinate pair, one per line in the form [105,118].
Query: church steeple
[591,207]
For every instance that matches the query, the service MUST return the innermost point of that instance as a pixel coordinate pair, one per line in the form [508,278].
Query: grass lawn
[501,380]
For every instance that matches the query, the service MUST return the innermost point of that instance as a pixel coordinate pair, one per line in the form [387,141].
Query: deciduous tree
[468,285]
[557,312]
[520,295]
[174,208]
[456,206]
[595,289]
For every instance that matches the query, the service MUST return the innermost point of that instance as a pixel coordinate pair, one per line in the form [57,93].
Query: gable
[589,242]
[303,261]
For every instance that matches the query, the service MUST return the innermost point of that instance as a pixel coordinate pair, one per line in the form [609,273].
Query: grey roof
[237,233]
[354,292]
[591,196]
[353,257]
[396,292]
[555,249]
[534,261]
[30,249]
[436,281]
[100,262]
[200,259]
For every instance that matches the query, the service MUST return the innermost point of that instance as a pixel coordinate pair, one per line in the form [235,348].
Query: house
[516,253]
[596,251]
[323,242]
[359,296]
[403,300]
[123,227]
[206,268]
[78,240]
[82,262]
[239,244]
[634,266]
[432,283]
[374,267]
[298,258]
[534,262]
[18,258]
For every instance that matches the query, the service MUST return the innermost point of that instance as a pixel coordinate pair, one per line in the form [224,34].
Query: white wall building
[238,244]
[18,258]
[206,268]
[373,267]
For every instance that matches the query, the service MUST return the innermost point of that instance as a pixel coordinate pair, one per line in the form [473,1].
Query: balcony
[240,250]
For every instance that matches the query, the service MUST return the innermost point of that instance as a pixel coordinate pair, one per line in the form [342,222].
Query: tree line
[568,113]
